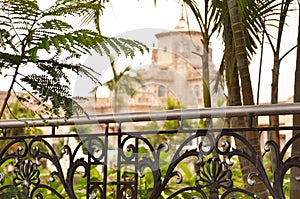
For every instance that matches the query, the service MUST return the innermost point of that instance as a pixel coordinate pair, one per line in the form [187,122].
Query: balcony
[121,156]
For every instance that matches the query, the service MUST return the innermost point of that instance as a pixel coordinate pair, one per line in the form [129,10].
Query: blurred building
[176,72]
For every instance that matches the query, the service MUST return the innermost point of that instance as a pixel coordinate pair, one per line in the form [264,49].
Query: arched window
[161,91]
[197,91]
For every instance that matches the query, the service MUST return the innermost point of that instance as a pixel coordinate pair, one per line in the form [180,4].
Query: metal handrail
[233,111]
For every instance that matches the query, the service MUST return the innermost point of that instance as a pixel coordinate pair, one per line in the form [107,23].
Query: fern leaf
[118,45]
[56,43]
[9,59]
[33,54]
[55,24]
[75,8]
[45,43]
[103,46]
[57,94]
[113,45]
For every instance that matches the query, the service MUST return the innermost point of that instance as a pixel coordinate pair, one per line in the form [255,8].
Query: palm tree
[242,21]
[204,18]
[123,82]
[276,49]
[241,55]
[238,25]
[238,67]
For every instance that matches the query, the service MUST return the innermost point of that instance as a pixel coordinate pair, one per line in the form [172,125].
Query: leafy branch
[27,33]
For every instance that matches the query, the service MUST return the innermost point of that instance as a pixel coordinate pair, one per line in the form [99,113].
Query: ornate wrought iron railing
[168,154]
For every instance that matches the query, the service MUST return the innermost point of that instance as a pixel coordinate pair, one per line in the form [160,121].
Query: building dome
[181,24]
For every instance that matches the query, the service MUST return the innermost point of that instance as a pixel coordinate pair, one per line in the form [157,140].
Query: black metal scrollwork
[27,161]
[208,172]
[26,174]
[214,174]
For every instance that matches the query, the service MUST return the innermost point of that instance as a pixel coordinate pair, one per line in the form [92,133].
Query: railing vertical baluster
[88,176]
[105,162]
[119,161]
[53,130]
[181,123]
[250,121]
[4,132]
[136,158]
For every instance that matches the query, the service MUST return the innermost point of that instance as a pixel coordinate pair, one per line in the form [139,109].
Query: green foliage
[13,192]
[157,139]
[27,33]
[150,126]
[49,89]
[171,105]
[16,110]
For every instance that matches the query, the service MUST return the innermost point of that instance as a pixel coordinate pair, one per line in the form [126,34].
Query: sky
[140,20]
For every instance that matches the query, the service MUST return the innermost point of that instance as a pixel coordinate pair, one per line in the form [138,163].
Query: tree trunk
[206,79]
[205,63]
[240,52]
[274,119]
[205,58]
[295,185]
[6,99]
[205,74]
[247,93]
[234,99]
